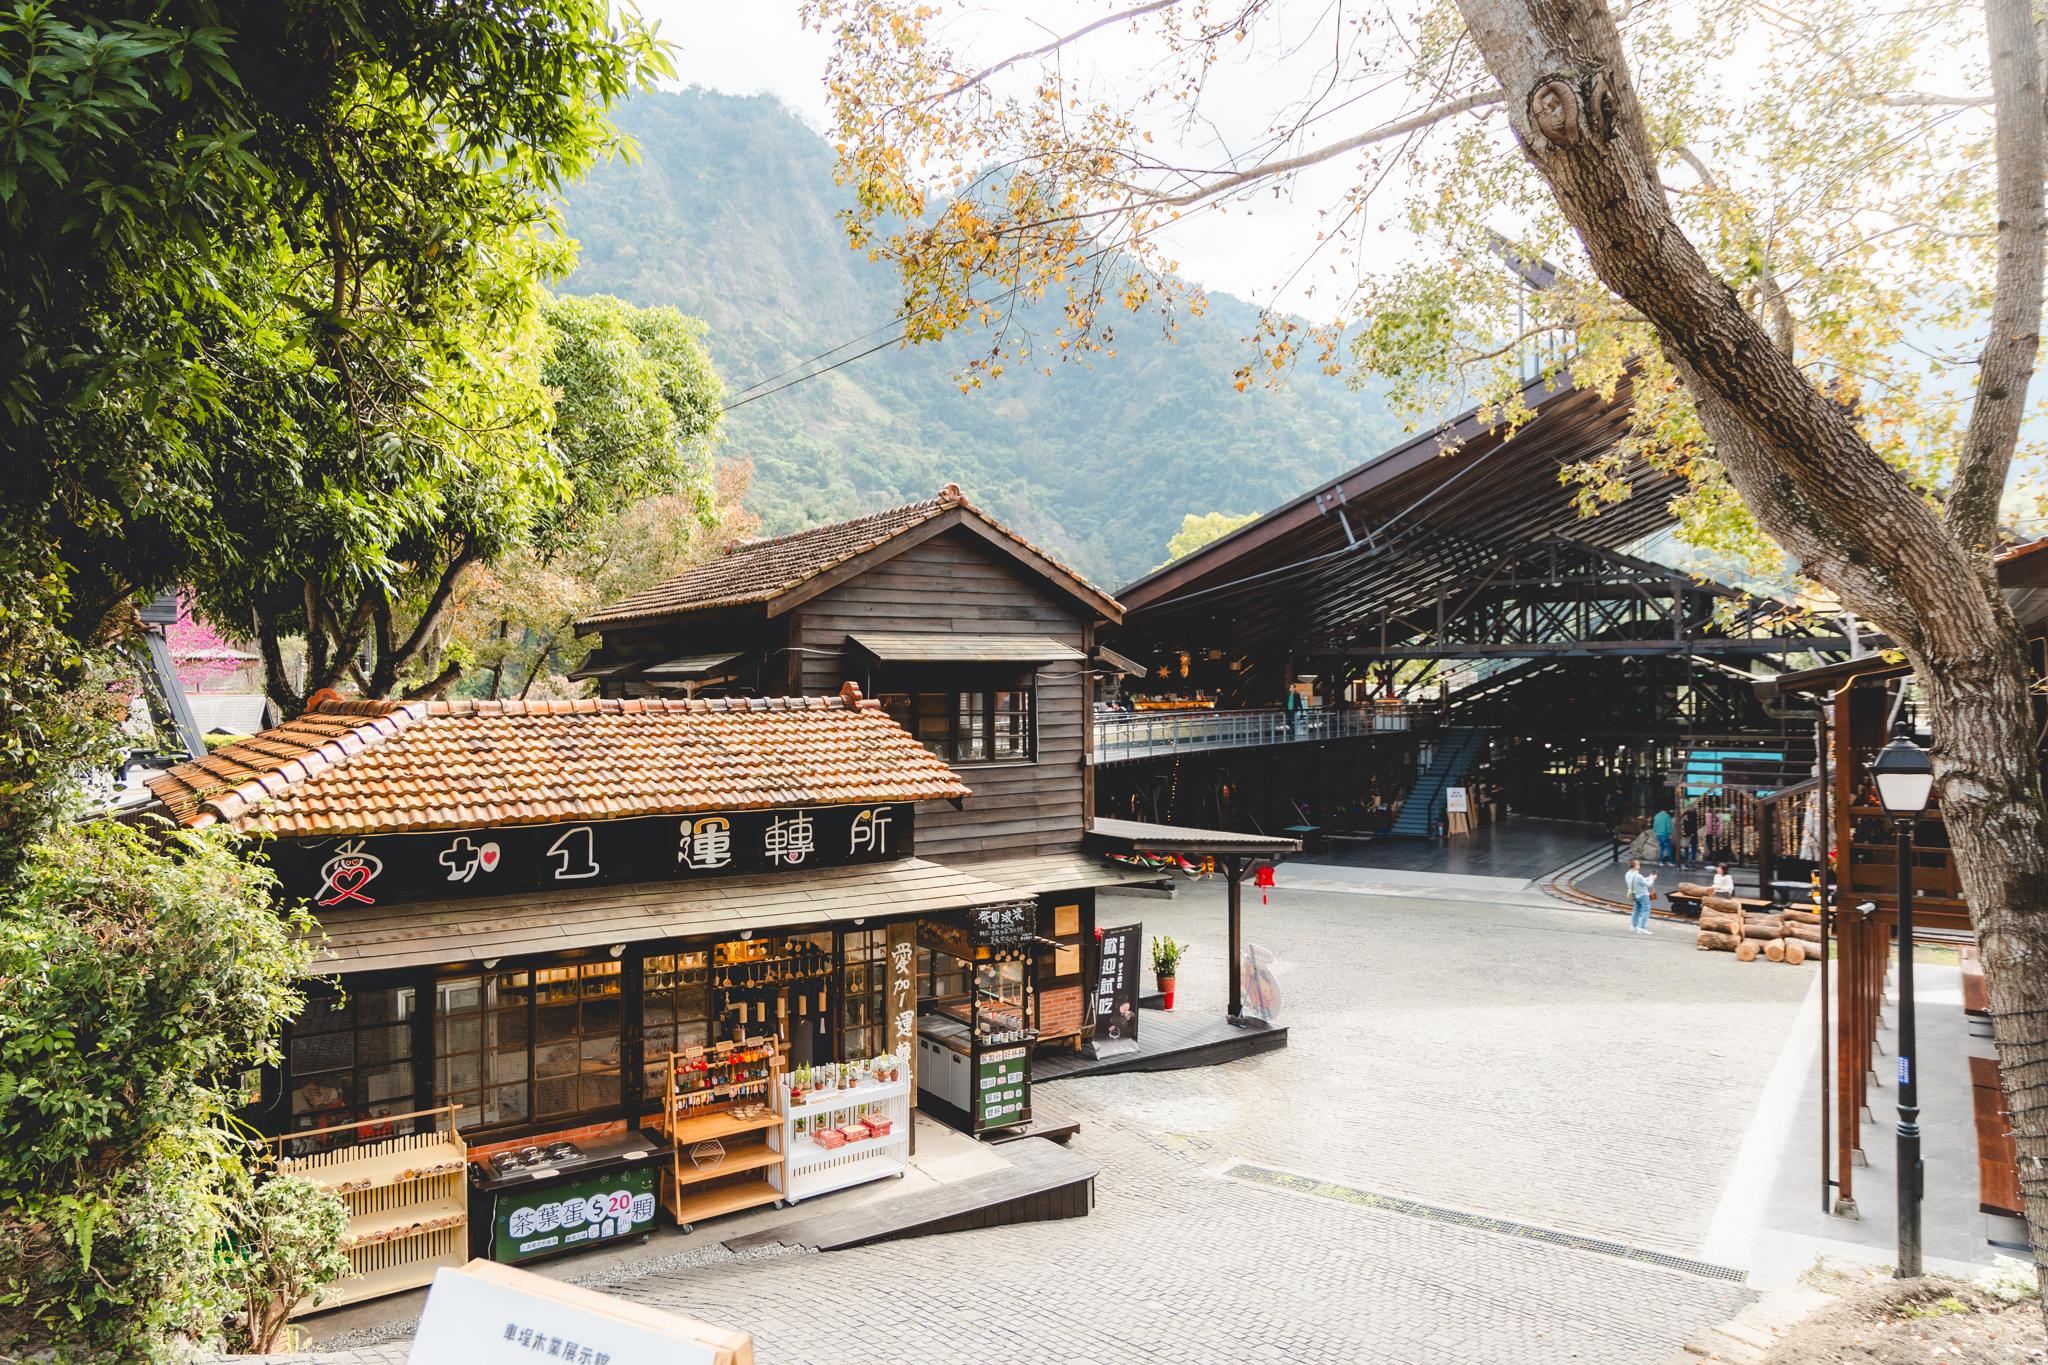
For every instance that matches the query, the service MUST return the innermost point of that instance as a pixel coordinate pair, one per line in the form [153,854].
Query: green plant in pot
[1165,962]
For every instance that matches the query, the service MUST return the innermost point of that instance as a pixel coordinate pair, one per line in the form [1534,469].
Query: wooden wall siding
[951,583]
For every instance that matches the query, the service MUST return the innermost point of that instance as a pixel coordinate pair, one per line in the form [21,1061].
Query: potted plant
[1165,961]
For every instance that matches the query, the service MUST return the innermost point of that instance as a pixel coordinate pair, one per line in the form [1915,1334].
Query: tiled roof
[386,767]
[761,570]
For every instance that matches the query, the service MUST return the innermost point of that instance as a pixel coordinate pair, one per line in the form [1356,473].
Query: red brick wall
[1059,1011]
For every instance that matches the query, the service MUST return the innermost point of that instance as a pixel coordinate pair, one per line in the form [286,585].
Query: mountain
[730,213]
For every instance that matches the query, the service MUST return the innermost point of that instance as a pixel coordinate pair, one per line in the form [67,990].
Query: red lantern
[1262,877]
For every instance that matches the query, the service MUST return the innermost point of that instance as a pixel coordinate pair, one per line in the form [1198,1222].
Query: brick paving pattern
[1533,1064]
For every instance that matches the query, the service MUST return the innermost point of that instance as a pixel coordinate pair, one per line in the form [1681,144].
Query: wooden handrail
[448,1109]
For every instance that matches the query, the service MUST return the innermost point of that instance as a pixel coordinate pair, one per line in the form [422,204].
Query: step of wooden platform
[1168,1042]
[1043,1181]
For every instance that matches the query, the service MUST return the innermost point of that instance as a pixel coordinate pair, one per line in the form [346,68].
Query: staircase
[1423,811]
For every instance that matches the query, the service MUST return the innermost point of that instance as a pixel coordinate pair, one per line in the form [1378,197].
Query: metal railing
[1122,736]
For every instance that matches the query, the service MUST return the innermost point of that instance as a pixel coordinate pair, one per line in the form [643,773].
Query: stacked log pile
[1749,930]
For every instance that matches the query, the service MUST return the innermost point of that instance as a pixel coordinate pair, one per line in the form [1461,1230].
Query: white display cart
[813,1169]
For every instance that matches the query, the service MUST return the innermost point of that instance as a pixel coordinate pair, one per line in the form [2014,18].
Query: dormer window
[986,725]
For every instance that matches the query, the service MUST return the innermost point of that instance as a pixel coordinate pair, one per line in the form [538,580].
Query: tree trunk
[1823,493]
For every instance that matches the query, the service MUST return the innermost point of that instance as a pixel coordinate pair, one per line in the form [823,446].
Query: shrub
[141,973]
[286,1247]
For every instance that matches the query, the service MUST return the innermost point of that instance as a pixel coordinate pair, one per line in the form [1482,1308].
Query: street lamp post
[1905,780]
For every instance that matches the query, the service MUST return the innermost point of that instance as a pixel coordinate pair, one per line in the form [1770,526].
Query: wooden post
[1235,865]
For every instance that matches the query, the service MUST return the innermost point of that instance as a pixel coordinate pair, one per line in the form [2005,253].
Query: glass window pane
[552,1098]
[601,1016]
[1012,725]
[322,1052]
[469,1115]
[602,1050]
[510,990]
[388,1006]
[971,738]
[460,1035]
[506,1028]
[896,706]
[391,1043]
[657,1011]
[601,981]
[506,1104]
[464,1071]
[553,1023]
[600,1090]
[507,1067]
[325,1012]
[555,1059]
[464,995]
[387,1088]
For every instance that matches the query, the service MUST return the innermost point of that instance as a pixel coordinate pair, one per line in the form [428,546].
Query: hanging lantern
[1262,877]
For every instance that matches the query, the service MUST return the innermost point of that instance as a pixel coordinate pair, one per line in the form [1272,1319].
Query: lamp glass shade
[1904,777]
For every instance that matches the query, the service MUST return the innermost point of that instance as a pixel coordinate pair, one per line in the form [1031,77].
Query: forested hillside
[729,214]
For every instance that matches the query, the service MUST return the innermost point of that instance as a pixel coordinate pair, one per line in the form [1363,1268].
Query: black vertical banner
[1116,992]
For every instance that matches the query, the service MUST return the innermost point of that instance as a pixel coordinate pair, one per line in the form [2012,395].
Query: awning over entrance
[689,667]
[937,647]
[1058,872]
[453,932]
[1135,836]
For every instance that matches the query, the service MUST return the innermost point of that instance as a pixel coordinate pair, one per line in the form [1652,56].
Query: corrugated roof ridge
[619,706]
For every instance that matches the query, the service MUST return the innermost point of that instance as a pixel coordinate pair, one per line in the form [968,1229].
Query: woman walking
[1639,894]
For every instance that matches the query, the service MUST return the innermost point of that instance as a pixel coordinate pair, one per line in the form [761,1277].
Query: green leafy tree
[142,974]
[279,251]
[1807,236]
[1199,528]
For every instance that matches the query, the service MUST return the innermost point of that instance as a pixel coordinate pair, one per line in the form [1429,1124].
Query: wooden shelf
[749,1158]
[686,1206]
[716,1125]
[363,1226]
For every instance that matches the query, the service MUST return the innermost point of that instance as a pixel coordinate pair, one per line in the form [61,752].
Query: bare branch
[1480,99]
[2007,366]
[1914,99]
[989,72]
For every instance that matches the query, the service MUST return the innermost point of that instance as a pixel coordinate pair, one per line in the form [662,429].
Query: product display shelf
[390,1185]
[747,1170]
[814,1170]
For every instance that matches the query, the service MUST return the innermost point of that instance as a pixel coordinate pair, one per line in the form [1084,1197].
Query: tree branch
[988,72]
[436,685]
[1479,99]
[2007,365]
[388,665]
[1913,99]
[1782,329]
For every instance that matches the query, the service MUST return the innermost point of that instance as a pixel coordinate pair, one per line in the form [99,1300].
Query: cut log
[1756,929]
[1805,933]
[1747,950]
[1715,922]
[1802,916]
[1725,904]
[1695,890]
[1723,943]
[1775,950]
[1795,951]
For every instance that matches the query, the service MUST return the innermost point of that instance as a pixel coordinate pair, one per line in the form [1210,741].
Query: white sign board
[1454,801]
[489,1314]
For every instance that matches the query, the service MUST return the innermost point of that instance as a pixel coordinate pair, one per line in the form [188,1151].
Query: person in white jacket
[1639,893]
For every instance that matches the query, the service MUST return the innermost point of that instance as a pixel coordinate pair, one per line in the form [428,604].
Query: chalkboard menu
[1002,1087]
[1003,926]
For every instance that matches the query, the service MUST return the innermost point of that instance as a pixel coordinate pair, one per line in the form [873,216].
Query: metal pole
[1909,1085]
[1236,869]
[1824,839]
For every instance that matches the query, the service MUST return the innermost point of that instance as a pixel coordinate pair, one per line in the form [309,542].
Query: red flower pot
[1166,989]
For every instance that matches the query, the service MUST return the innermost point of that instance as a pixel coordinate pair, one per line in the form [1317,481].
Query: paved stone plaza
[1515,1059]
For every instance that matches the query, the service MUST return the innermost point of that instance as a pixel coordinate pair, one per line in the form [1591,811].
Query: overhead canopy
[456,933]
[1122,663]
[689,667]
[1395,533]
[1135,836]
[948,647]
[1047,872]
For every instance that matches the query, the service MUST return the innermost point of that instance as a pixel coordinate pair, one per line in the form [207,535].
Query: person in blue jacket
[1662,825]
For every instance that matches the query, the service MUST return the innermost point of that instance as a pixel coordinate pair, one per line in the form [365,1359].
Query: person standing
[1689,835]
[1639,893]
[1661,826]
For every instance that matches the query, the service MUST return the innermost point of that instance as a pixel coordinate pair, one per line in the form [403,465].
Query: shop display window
[982,726]
[351,1057]
[517,1047]
[675,1011]
[864,1020]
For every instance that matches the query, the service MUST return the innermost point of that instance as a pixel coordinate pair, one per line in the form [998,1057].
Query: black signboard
[353,873]
[1003,926]
[1116,992]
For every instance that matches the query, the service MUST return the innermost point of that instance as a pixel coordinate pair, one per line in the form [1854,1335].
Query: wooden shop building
[571,946]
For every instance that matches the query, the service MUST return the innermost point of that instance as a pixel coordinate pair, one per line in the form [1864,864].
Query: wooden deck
[1168,1041]
[1044,1181]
